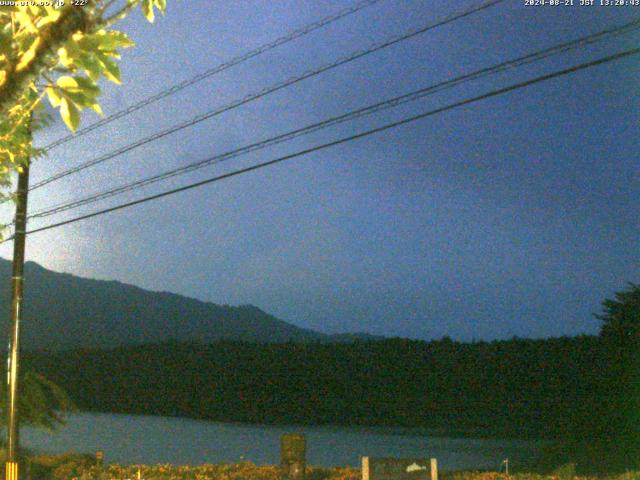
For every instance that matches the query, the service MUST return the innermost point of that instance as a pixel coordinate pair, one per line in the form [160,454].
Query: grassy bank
[82,467]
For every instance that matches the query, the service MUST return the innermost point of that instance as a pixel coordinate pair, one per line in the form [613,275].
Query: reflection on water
[131,439]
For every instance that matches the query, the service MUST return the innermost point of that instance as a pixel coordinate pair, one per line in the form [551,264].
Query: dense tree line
[515,387]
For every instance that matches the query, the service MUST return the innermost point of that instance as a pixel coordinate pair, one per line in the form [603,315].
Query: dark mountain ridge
[63,311]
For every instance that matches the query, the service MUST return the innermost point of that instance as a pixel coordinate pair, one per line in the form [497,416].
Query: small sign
[375,468]
[293,451]
[293,448]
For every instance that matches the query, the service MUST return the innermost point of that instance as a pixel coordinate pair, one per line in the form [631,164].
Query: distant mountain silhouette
[64,311]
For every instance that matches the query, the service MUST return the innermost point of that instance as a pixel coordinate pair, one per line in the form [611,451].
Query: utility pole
[13,430]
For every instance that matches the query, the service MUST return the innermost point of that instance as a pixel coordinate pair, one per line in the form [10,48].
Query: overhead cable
[493,93]
[390,103]
[213,71]
[278,86]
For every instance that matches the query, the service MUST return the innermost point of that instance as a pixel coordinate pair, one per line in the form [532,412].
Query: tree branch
[106,7]
[119,15]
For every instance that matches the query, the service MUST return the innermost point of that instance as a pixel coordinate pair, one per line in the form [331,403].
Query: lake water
[137,439]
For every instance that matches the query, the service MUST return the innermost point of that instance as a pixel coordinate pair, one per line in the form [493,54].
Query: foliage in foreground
[41,403]
[60,51]
[82,467]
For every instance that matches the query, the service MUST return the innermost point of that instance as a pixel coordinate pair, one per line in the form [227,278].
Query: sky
[513,216]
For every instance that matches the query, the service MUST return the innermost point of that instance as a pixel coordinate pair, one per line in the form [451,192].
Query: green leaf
[147,10]
[69,54]
[111,70]
[87,86]
[28,55]
[96,108]
[81,90]
[54,97]
[87,42]
[67,83]
[70,114]
[161,4]
[113,40]
[91,67]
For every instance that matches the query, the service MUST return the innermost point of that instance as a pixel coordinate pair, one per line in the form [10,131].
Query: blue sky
[517,215]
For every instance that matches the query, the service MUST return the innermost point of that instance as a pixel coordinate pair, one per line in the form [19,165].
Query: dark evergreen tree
[41,402]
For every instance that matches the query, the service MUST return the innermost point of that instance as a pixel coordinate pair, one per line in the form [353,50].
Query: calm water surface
[131,439]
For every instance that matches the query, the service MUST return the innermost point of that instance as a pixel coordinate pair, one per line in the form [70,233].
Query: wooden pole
[13,366]
[434,469]
[365,468]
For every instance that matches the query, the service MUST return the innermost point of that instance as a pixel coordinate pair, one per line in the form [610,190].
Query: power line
[214,70]
[393,102]
[366,133]
[278,86]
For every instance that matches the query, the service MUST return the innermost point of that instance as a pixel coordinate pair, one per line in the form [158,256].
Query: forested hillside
[64,311]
